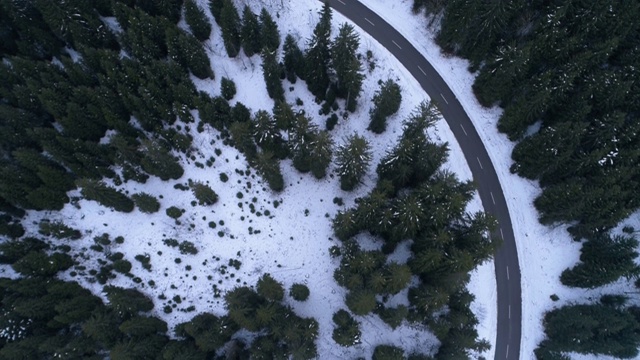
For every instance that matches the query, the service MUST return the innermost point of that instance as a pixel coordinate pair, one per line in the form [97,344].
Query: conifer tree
[271,71]
[318,55]
[293,59]
[347,332]
[216,9]
[269,288]
[361,302]
[386,102]
[197,20]
[230,26]
[301,135]
[270,36]
[320,154]
[353,158]
[204,193]
[251,35]
[347,66]
[158,161]
[105,195]
[269,168]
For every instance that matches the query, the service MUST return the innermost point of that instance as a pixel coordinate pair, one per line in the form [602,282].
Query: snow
[543,252]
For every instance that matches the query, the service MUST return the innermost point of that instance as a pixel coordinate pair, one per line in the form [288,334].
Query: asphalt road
[506,259]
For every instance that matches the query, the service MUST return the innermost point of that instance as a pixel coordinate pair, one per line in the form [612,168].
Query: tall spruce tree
[251,35]
[231,27]
[353,158]
[347,67]
[386,102]
[293,59]
[318,55]
[270,36]
[271,71]
[197,20]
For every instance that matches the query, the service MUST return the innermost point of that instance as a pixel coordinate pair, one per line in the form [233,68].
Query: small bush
[187,247]
[171,242]
[204,194]
[387,352]
[228,88]
[122,266]
[224,177]
[174,212]
[299,292]
[59,230]
[146,203]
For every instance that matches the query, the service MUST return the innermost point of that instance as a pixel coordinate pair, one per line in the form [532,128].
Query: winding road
[485,177]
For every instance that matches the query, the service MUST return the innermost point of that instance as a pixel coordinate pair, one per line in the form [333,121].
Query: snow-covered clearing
[286,234]
[543,252]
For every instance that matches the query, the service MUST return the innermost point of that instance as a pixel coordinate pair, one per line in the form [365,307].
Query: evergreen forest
[565,73]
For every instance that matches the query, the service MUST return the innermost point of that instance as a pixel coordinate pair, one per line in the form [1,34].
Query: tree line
[565,73]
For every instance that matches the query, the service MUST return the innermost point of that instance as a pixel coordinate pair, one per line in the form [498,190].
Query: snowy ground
[290,241]
[543,252]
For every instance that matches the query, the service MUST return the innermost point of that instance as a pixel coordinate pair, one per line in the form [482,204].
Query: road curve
[506,258]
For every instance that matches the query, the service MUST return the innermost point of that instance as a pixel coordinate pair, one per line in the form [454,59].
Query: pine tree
[361,302]
[301,135]
[242,136]
[604,259]
[386,102]
[387,352]
[299,292]
[353,158]
[146,203]
[293,59]
[271,71]
[347,66]
[347,332]
[197,20]
[127,302]
[216,9]
[230,26]
[284,115]
[269,168]
[158,161]
[270,36]
[267,135]
[105,195]
[318,55]
[251,32]
[204,193]
[269,288]
[320,154]
[228,89]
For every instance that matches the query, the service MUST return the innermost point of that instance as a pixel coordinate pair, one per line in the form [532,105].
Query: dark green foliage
[361,302]
[393,316]
[271,71]
[353,158]
[204,193]
[386,102]
[13,250]
[128,302]
[320,154]
[228,88]
[216,9]
[299,292]
[230,26]
[37,263]
[143,326]
[415,158]
[122,266]
[58,230]
[188,52]
[604,259]
[241,134]
[293,59]
[214,111]
[301,135]
[159,162]
[269,288]
[267,135]
[147,203]
[563,67]
[591,329]
[187,247]
[197,21]
[251,37]
[208,331]
[318,55]
[269,168]
[269,35]
[105,195]
[347,332]
[388,352]
[174,212]
[347,66]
